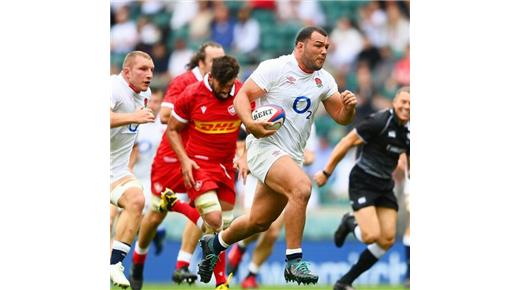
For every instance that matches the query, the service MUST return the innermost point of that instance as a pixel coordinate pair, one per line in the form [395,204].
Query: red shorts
[166,174]
[214,176]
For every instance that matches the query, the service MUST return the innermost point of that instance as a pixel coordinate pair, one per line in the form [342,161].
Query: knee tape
[208,202]
[155,203]
[227,218]
[119,190]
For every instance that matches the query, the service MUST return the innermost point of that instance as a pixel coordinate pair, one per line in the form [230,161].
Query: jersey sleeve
[174,89]
[182,107]
[371,126]
[266,74]
[332,86]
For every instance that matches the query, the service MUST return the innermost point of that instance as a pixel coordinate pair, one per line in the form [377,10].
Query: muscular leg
[132,202]
[265,244]
[149,224]
[368,222]
[387,221]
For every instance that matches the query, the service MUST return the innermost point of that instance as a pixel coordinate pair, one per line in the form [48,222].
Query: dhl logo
[217,127]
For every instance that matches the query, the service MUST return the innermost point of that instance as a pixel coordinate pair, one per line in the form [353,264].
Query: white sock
[221,241]
[292,251]
[184,256]
[357,234]
[376,250]
[253,268]
[242,244]
[406,240]
[117,245]
[139,250]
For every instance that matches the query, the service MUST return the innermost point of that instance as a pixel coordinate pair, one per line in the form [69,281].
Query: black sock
[216,246]
[407,254]
[365,261]
[137,271]
[117,255]
[294,256]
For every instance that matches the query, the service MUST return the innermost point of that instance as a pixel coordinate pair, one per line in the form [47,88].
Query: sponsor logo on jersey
[391,134]
[394,149]
[362,200]
[203,109]
[290,79]
[217,127]
[319,84]
[231,110]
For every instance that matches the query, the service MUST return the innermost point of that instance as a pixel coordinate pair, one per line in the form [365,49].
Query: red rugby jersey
[213,124]
[175,88]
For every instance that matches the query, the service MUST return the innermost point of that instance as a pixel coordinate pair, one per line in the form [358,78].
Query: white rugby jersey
[298,93]
[122,138]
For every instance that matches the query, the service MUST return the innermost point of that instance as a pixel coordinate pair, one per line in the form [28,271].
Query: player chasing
[129,90]
[297,83]
[384,137]
[166,173]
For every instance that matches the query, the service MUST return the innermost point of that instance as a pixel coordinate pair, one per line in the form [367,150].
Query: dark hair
[305,33]
[225,68]
[201,54]
[405,89]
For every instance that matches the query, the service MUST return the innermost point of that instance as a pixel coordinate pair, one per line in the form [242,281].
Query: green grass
[195,287]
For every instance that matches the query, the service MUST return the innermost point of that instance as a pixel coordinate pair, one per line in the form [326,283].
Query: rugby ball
[270,113]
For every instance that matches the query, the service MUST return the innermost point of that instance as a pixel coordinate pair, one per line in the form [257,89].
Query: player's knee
[302,191]
[260,225]
[213,220]
[156,218]
[386,242]
[135,203]
[370,236]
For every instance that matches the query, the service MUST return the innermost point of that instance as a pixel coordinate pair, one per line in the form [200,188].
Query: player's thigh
[287,177]
[368,222]
[387,222]
[128,193]
[267,205]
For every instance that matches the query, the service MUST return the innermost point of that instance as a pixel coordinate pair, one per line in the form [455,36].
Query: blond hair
[129,58]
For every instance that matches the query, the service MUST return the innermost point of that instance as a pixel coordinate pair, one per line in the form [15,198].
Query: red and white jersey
[165,152]
[213,124]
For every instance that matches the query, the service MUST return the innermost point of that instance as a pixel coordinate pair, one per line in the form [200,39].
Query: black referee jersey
[384,141]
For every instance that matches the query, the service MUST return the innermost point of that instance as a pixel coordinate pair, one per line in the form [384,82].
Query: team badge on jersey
[198,185]
[231,110]
[291,80]
[319,84]
[203,109]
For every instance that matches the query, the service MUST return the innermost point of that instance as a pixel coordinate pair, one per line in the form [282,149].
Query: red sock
[191,213]
[220,269]
[138,258]
[181,264]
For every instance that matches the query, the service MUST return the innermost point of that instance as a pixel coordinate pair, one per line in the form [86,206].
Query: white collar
[197,73]
[206,83]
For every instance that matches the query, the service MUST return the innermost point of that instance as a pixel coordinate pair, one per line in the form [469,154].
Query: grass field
[183,287]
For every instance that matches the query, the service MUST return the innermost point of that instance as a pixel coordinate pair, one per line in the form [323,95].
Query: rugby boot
[234,258]
[158,241]
[249,282]
[225,285]
[136,276]
[168,199]
[347,225]
[184,274]
[298,271]
[117,275]
[340,286]
[209,258]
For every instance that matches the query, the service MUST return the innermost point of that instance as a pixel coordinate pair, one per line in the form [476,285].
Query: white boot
[117,275]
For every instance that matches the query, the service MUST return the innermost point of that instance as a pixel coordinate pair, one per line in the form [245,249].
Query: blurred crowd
[369,52]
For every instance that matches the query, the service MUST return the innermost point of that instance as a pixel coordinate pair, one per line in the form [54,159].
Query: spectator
[369,54]
[123,35]
[200,24]
[151,7]
[401,72]
[262,4]
[301,12]
[246,34]
[161,60]
[149,34]
[179,58]
[398,29]
[222,26]
[347,43]
[373,21]
[183,12]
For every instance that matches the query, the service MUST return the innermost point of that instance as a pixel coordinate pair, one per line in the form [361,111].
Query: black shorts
[367,190]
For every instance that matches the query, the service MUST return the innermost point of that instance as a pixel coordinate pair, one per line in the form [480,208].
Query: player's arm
[345,144]
[164,114]
[341,107]
[172,132]
[140,116]
[249,92]
[134,157]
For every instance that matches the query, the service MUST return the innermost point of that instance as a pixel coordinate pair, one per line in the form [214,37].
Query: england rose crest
[318,82]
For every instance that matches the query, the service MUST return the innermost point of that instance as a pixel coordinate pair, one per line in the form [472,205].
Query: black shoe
[298,271]
[347,225]
[136,276]
[340,286]
[158,241]
[209,258]
[184,274]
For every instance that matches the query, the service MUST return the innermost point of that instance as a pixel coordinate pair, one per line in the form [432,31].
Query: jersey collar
[206,84]
[196,72]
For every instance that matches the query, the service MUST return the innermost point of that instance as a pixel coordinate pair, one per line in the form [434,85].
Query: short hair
[129,58]
[405,89]
[306,32]
[224,69]
[201,54]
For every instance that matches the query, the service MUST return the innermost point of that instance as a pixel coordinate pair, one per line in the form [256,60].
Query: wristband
[325,173]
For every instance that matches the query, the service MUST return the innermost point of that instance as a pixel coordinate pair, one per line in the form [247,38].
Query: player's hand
[348,99]
[243,168]
[320,178]
[187,172]
[143,115]
[259,129]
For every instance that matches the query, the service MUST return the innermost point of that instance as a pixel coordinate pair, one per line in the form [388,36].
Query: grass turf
[237,287]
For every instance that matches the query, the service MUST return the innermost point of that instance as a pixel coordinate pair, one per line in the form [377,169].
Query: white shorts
[249,191]
[261,156]
[119,172]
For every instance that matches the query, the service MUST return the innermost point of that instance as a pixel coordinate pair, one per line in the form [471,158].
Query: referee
[383,137]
